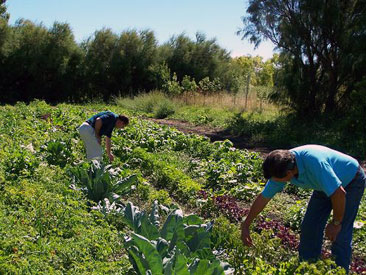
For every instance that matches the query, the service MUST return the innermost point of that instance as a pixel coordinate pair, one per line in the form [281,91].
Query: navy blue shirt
[108,122]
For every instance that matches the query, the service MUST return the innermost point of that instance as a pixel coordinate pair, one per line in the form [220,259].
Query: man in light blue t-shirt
[338,182]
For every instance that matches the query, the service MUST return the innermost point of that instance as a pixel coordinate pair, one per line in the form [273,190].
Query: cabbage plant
[182,245]
[100,181]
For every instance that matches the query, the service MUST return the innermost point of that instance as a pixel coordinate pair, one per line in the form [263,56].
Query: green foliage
[197,59]
[48,227]
[276,260]
[295,214]
[189,85]
[164,109]
[172,86]
[39,50]
[110,56]
[206,85]
[166,176]
[154,103]
[320,49]
[99,181]
[182,245]
[58,152]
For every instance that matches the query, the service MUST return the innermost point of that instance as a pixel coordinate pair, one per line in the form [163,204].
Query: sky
[219,19]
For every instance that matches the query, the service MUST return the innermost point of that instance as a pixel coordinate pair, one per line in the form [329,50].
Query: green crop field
[170,203]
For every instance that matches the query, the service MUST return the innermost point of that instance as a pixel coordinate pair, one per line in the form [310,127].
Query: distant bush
[156,103]
[164,109]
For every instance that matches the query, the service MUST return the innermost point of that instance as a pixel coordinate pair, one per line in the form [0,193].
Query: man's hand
[99,139]
[332,230]
[111,157]
[245,235]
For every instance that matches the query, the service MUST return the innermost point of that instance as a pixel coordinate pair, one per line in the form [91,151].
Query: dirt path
[214,134]
[219,134]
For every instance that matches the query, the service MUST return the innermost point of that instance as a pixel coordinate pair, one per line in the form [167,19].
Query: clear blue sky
[218,19]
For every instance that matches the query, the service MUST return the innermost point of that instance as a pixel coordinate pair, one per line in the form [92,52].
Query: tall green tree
[37,62]
[4,29]
[99,50]
[4,17]
[119,65]
[322,46]
[197,59]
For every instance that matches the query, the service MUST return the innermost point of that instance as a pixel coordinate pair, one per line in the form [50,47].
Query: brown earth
[215,134]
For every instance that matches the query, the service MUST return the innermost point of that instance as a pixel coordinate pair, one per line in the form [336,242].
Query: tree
[120,65]
[197,59]
[4,17]
[37,63]
[322,49]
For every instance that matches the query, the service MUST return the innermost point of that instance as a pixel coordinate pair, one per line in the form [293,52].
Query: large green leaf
[123,186]
[205,267]
[139,263]
[200,240]
[176,265]
[162,247]
[173,223]
[132,216]
[192,220]
[149,251]
[147,229]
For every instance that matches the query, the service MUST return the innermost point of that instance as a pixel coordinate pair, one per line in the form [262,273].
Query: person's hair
[124,119]
[277,163]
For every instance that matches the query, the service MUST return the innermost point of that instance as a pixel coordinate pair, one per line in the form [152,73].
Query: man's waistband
[358,173]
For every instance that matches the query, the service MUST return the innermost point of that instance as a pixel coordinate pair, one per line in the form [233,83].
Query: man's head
[280,165]
[122,121]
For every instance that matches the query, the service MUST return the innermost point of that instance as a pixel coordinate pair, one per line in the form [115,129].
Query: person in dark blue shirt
[101,124]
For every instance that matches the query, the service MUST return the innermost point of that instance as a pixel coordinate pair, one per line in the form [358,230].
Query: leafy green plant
[295,214]
[164,109]
[100,181]
[181,246]
[58,152]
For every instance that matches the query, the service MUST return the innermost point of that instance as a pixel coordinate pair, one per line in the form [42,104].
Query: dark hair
[277,163]
[124,119]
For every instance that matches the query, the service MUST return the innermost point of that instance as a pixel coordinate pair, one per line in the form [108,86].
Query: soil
[215,134]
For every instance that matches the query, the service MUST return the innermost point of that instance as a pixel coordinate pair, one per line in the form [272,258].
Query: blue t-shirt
[320,168]
[108,122]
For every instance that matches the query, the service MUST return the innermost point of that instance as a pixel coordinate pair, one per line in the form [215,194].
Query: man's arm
[108,144]
[97,127]
[338,199]
[257,207]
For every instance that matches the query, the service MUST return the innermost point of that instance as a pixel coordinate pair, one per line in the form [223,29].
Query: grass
[215,110]
[154,104]
[228,101]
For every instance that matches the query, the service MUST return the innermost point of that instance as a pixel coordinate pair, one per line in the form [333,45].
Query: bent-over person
[338,182]
[92,130]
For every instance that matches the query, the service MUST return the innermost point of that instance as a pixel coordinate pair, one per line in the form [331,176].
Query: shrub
[164,108]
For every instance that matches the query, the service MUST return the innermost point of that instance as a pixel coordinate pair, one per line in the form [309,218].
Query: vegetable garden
[170,203]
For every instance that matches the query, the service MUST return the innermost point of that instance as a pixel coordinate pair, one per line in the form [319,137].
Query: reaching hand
[331,231]
[245,236]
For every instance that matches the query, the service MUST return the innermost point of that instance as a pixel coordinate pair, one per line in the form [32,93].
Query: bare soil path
[215,134]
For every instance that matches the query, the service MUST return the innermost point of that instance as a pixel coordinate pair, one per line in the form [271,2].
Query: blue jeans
[316,217]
